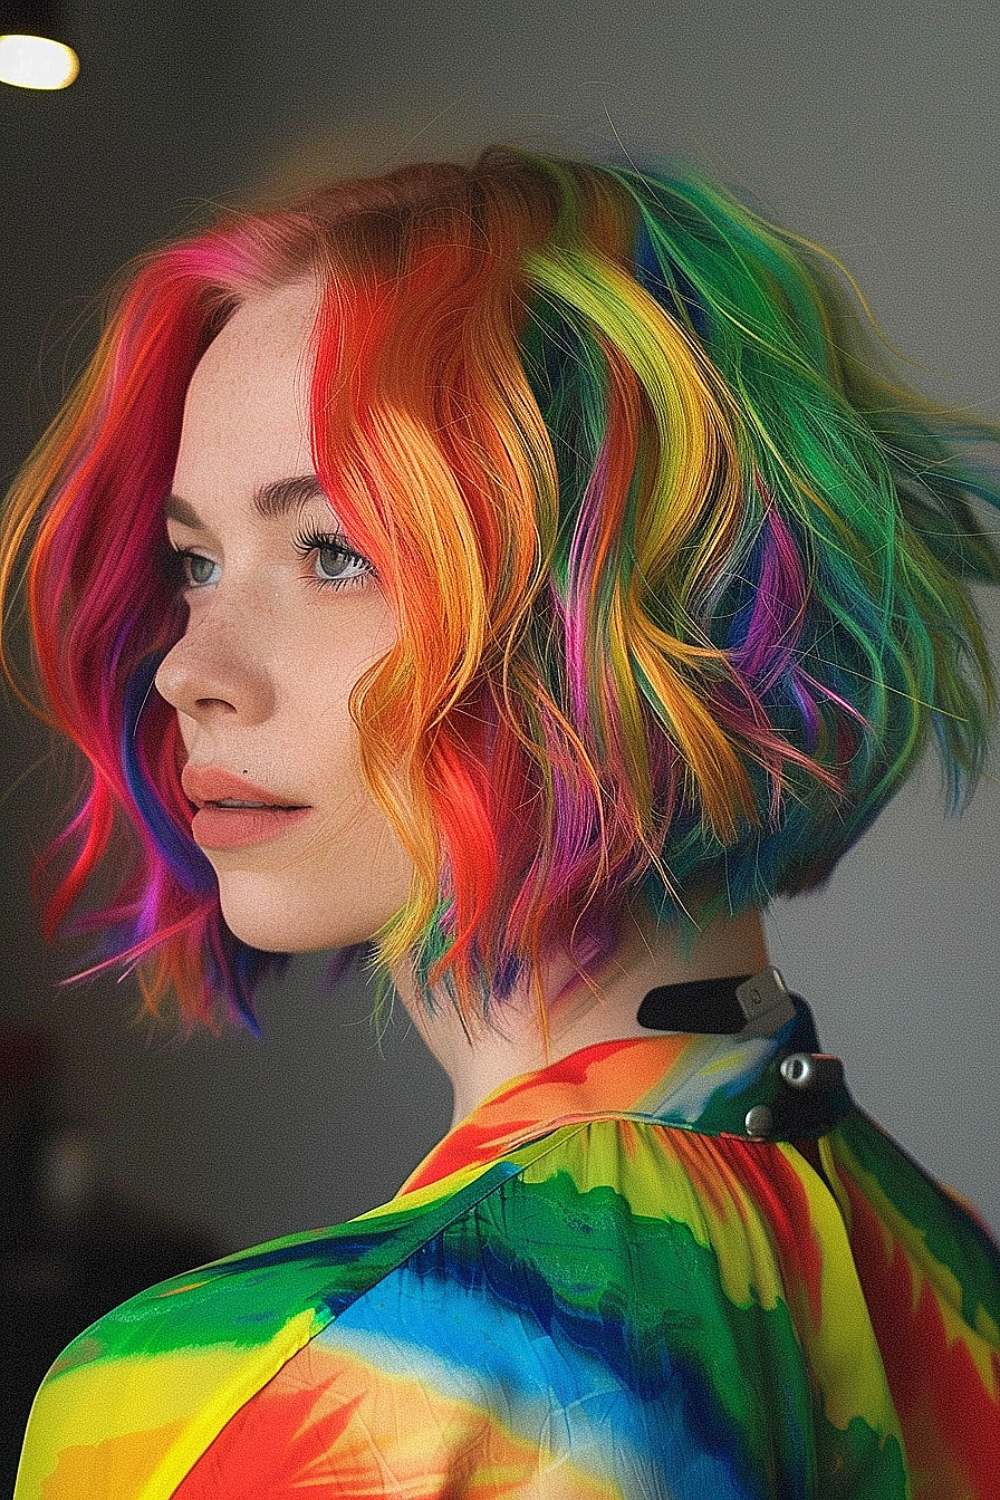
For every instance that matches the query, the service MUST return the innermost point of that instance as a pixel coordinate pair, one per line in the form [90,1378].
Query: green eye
[197,570]
[336,564]
[331,560]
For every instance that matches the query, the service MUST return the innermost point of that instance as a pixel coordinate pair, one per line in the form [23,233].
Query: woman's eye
[195,569]
[333,561]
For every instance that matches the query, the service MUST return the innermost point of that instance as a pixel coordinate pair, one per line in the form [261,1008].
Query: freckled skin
[261,682]
[262,676]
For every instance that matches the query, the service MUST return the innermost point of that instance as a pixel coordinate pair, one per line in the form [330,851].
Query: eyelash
[177,565]
[307,544]
[312,543]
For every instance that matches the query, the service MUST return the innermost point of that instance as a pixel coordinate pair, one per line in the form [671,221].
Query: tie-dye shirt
[600,1284]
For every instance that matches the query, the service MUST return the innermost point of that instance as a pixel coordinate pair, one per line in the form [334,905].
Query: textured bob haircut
[680,577]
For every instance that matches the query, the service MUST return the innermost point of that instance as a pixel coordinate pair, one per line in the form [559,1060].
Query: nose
[215,672]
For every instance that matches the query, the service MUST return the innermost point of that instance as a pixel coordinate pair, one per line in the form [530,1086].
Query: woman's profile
[527,571]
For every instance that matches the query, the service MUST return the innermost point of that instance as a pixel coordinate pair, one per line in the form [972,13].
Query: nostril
[212,703]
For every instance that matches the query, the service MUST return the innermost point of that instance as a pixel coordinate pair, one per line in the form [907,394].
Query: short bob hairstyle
[680,577]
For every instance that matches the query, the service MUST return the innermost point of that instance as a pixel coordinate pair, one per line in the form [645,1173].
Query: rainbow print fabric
[597,1287]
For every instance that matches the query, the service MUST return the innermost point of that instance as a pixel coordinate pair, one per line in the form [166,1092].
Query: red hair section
[680,584]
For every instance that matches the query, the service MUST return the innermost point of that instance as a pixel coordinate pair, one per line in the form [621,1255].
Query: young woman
[526,570]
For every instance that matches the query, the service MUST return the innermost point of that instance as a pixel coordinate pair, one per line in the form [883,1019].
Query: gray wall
[869,126]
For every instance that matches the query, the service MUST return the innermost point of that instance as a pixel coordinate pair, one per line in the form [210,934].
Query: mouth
[237,803]
[210,786]
[231,813]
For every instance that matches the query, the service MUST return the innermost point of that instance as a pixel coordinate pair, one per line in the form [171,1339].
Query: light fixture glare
[36,62]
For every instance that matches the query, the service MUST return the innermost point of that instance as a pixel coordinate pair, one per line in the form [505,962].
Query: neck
[478,1059]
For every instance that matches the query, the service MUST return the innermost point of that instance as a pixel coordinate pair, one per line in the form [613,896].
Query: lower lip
[238,827]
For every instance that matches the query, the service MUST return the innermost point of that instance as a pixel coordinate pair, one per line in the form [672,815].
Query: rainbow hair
[680,577]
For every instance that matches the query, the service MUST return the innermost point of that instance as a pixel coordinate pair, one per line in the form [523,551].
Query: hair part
[681,578]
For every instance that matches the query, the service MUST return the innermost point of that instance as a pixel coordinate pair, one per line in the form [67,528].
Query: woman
[524,569]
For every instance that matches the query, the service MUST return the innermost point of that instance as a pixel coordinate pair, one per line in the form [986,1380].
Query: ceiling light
[33,51]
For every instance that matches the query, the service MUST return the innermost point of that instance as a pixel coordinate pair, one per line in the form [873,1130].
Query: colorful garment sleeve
[598,1286]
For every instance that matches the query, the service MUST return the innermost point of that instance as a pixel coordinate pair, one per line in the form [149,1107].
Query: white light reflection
[36,62]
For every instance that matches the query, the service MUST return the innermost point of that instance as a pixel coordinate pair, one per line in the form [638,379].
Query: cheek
[186,728]
[320,736]
[322,673]
[336,889]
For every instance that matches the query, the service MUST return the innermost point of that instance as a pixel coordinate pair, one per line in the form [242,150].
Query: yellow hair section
[690,510]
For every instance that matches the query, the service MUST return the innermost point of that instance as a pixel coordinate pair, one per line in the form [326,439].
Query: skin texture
[579,1015]
[277,636]
[262,676]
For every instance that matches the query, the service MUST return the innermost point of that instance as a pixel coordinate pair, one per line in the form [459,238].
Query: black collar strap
[704,1005]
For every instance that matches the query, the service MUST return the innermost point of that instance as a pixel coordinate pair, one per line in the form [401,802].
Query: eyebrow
[269,500]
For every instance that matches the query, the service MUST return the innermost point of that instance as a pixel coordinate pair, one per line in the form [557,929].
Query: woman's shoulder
[146,1386]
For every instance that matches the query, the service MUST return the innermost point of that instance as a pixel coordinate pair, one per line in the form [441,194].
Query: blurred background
[870,126]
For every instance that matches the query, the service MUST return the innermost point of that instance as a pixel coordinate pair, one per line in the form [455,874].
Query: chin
[284,922]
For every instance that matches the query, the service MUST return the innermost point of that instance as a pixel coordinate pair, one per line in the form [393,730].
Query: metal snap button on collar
[759,1122]
[812,1070]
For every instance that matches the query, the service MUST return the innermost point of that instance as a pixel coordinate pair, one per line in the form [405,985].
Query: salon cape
[597,1285]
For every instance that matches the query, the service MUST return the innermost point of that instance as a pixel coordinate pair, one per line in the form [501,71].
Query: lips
[233,813]
[207,785]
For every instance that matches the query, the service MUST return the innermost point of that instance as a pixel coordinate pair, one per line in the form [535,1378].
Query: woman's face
[282,620]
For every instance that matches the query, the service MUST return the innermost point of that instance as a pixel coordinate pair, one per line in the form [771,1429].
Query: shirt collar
[708,1084]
